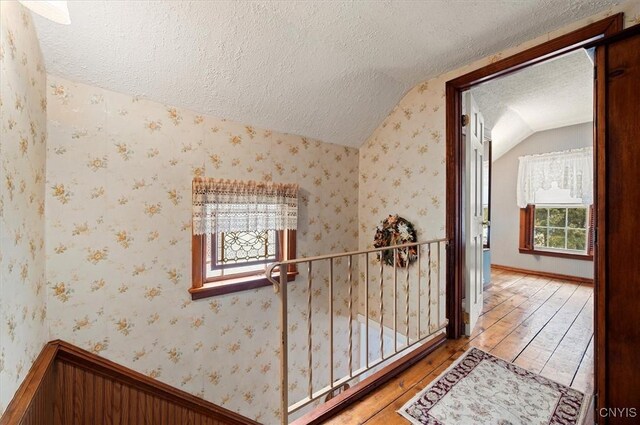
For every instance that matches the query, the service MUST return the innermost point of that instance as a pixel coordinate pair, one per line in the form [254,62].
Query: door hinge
[465,318]
[465,120]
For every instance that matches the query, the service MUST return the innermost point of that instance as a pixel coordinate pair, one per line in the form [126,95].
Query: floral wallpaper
[118,223]
[23,107]
[117,191]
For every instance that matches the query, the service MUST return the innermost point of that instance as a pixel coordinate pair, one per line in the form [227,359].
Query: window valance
[243,206]
[568,170]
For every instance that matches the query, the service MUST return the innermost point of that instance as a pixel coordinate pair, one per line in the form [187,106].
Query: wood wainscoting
[67,386]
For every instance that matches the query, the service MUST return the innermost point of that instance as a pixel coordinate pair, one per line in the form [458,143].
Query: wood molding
[560,45]
[455,173]
[550,275]
[361,389]
[20,406]
[567,255]
[162,399]
[242,284]
[616,335]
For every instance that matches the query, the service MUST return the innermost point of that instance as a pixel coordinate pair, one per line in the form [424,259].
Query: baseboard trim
[361,389]
[544,274]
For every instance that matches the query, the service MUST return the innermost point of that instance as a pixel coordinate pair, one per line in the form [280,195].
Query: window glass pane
[556,238]
[541,216]
[557,217]
[576,239]
[540,237]
[577,218]
[245,247]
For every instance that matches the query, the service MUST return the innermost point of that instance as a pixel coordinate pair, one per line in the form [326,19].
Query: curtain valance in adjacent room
[243,206]
[571,171]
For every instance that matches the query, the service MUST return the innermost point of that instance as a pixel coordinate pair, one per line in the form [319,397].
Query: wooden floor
[543,325]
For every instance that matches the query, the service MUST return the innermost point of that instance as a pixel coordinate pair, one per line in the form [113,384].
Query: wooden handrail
[57,354]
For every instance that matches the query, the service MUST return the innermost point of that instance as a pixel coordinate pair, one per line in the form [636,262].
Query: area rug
[482,389]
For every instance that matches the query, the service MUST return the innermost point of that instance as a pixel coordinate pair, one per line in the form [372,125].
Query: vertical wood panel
[117,404]
[109,395]
[88,399]
[619,375]
[98,413]
[79,388]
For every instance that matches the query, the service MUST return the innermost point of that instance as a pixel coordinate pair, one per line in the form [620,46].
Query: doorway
[458,216]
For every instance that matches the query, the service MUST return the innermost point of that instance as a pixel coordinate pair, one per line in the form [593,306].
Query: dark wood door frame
[455,208]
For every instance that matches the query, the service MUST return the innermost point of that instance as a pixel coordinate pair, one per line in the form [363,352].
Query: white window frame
[566,228]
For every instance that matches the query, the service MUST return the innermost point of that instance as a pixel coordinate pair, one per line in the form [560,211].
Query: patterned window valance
[571,171]
[243,206]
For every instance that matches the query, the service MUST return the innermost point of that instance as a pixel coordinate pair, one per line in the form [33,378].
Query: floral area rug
[482,389]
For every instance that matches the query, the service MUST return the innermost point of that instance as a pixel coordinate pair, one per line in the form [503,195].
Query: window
[554,193]
[560,228]
[238,229]
[557,230]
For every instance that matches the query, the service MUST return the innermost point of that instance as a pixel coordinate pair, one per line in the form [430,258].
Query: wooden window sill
[584,257]
[212,289]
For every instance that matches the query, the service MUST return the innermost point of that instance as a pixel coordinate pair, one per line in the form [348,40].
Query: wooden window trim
[203,287]
[527,216]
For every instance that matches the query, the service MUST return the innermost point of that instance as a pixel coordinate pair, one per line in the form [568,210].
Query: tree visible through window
[557,230]
[561,228]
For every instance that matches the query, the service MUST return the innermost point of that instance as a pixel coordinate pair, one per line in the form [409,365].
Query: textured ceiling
[555,93]
[327,70]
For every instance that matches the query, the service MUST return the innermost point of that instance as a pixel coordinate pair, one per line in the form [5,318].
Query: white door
[474,153]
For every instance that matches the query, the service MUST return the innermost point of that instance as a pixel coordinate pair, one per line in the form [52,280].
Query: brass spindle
[429,285]
[350,278]
[309,329]
[438,285]
[419,289]
[366,307]
[331,322]
[406,302]
[381,290]
[395,300]
[284,367]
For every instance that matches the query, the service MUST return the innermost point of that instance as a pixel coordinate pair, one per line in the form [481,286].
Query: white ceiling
[330,70]
[555,93]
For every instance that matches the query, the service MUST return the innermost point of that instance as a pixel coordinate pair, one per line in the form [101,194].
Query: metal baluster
[395,300]
[284,379]
[309,329]
[406,302]
[419,289]
[331,323]
[438,284]
[350,278]
[429,284]
[366,306]
[381,290]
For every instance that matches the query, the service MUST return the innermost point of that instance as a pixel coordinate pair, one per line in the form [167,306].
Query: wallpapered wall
[118,221]
[23,108]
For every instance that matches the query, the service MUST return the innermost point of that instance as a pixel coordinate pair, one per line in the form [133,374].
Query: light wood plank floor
[543,325]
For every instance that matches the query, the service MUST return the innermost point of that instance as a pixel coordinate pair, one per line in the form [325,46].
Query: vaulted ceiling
[555,93]
[327,70]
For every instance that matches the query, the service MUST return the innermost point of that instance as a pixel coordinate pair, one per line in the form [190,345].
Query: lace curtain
[242,206]
[568,170]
